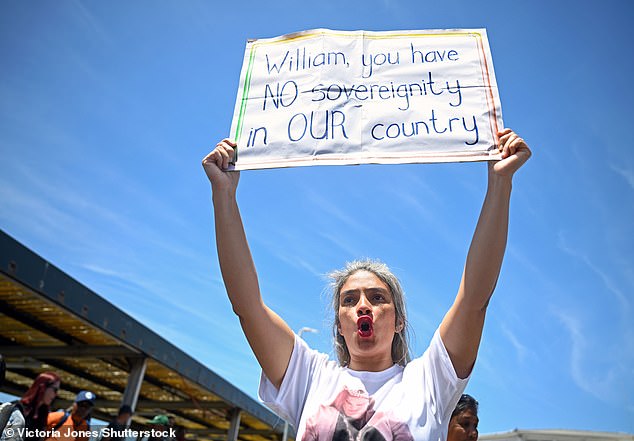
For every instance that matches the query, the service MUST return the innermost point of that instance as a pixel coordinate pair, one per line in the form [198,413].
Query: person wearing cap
[74,420]
[119,424]
[161,421]
[159,424]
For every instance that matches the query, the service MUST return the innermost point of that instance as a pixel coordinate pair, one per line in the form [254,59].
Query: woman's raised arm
[269,336]
[461,329]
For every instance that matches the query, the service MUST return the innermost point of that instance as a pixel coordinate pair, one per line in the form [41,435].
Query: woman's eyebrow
[372,289]
[380,290]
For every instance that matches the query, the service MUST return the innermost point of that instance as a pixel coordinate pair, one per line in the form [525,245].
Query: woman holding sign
[374,391]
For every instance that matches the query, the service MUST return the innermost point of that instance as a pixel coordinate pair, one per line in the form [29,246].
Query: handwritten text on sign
[329,97]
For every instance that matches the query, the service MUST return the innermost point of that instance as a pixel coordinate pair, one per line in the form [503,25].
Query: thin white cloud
[430,217]
[577,348]
[329,208]
[417,185]
[296,261]
[158,308]
[56,198]
[608,282]
[43,219]
[58,209]
[287,247]
[521,350]
[109,272]
[625,173]
[423,328]
[526,264]
[487,370]
[342,243]
[607,385]
[88,21]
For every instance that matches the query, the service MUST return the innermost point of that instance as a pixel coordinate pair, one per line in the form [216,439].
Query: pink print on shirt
[351,417]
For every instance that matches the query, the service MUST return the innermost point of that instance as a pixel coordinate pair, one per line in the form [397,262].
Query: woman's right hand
[216,164]
[269,336]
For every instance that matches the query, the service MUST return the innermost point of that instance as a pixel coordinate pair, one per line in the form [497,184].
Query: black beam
[36,324]
[71,351]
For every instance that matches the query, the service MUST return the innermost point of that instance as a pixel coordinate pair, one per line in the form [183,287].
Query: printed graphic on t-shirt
[352,417]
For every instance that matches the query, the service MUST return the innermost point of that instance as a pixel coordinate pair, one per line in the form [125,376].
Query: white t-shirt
[325,401]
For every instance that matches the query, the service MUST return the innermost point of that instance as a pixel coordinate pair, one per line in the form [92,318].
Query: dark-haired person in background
[463,425]
[119,424]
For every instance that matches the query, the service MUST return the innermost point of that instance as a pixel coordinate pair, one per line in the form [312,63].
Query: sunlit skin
[50,393]
[365,294]
[463,427]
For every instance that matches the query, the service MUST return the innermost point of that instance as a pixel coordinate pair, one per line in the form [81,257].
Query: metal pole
[135,380]
[234,414]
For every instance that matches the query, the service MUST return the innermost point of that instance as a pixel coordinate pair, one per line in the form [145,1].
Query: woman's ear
[399,326]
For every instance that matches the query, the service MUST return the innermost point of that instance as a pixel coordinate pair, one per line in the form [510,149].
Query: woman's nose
[364,307]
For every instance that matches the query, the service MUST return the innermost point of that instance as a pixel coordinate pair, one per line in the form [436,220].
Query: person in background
[7,411]
[160,425]
[180,433]
[73,420]
[172,425]
[30,411]
[119,424]
[463,425]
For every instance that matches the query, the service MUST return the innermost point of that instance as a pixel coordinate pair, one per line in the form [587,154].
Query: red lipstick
[365,326]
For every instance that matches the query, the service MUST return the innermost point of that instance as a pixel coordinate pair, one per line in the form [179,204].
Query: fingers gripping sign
[217,165]
[222,155]
[515,152]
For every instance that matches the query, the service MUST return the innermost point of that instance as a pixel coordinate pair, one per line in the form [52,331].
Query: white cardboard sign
[324,97]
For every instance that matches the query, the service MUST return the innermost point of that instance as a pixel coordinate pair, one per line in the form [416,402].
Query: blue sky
[107,108]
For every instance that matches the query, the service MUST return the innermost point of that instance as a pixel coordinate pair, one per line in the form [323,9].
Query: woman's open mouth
[365,326]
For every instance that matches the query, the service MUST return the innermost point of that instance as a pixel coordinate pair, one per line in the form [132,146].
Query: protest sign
[324,97]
